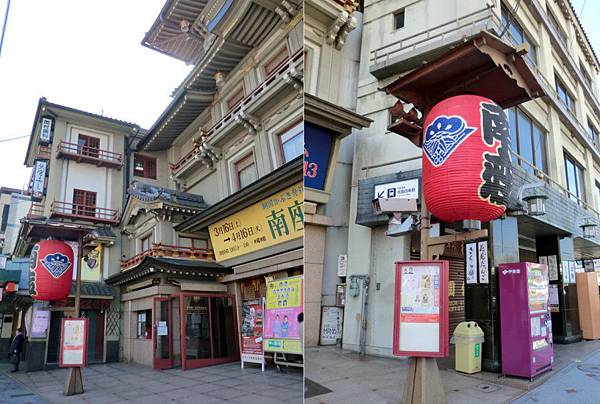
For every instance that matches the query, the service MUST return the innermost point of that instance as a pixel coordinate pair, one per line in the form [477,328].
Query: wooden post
[74,380]
[423,384]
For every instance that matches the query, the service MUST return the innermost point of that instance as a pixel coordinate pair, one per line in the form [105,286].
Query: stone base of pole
[423,384]
[73,382]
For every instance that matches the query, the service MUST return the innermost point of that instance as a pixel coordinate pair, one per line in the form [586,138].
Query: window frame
[90,146]
[402,12]
[146,171]
[593,133]
[235,99]
[146,322]
[558,82]
[563,36]
[275,62]
[280,141]
[238,169]
[144,238]
[532,55]
[534,150]
[83,208]
[193,242]
[579,179]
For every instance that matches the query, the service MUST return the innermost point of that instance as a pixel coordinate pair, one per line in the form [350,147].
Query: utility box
[468,337]
[588,302]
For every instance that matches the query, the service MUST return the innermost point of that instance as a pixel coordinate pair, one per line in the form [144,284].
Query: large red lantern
[466,159]
[50,270]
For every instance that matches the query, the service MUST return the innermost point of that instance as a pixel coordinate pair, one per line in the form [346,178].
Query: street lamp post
[74,380]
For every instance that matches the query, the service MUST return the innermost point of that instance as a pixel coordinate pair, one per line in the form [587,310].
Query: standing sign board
[284,304]
[73,342]
[252,332]
[331,324]
[421,309]
[40,320]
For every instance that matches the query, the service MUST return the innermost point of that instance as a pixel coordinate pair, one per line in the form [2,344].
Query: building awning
[7,275]
[285,176]
[180,268]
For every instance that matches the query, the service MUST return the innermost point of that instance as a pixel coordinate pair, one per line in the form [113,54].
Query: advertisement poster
[318,145]
[553,298]
[73,350]
[420,300]
[252,327]
[471,262]
[331,325]
[92,267]
[538,291]
[40,320]
[552,268]
[284,304]
[273,220]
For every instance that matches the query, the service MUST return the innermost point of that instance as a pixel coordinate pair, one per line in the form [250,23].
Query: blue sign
[318,143]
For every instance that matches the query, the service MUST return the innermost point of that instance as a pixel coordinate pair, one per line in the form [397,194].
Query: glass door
[209,330]
[162,333]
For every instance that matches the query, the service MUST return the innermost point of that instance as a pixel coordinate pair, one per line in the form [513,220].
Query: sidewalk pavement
[337,376]
[14,392]
[122,382]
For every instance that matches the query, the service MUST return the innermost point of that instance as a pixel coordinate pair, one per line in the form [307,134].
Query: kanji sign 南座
[271,221]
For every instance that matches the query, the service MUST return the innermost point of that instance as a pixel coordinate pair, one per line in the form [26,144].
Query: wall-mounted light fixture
[588,227]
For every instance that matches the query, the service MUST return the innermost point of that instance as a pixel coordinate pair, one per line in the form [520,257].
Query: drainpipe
[363,313]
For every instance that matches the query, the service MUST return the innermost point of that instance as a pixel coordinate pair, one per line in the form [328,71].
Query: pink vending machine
[525,323]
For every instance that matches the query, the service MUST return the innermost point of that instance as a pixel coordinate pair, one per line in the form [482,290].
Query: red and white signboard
[421,309]
[73,342]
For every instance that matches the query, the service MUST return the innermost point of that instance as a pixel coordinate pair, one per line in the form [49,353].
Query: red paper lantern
[466,159]
[10,287]
[50,270]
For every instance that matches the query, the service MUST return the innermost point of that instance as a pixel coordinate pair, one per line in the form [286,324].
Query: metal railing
[164,250]
[37,209]
[81,211]
[385,52]
[269,80]
[86,152]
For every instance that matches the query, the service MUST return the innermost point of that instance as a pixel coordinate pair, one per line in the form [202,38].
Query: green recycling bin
[468,338]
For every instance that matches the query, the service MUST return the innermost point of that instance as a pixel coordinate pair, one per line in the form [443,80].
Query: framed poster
[252,332]
[331,324]
[73,342]
[471,262]
[482,254]
[421,309]
[284,303]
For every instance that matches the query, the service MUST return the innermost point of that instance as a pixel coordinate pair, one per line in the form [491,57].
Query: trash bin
[468,338]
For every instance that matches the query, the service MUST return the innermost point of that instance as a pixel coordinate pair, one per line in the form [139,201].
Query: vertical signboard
[252,332]
[471,262]
[45,130]
[284,303]
[482,253]
[39,178]
[421,309]
[318,145]
[331,325]
[73,342]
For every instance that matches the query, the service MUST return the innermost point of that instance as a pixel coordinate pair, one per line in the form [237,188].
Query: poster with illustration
[284,304]
[252,326]
[73,346]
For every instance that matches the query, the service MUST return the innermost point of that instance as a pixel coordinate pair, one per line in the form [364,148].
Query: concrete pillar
[314,259]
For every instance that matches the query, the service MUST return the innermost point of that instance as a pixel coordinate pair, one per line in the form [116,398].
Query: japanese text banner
[274,220]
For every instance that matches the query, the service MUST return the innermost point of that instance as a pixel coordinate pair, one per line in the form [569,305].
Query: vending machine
[525,322]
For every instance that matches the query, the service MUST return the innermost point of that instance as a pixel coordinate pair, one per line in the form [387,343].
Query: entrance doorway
[194,330]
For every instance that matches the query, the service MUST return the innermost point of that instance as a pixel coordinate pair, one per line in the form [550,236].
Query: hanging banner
[39,178]
[483,262]
[92,267]
[252,331]
[284,303]
[274,220]
[73,342]
[421,309]
[471,262]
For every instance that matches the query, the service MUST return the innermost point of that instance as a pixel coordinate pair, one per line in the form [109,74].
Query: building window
[235,99]
[144,166]
[592,133]
[399,19]
[574,175]
[276,61]
[292,142]
[246,172]
[527,139]
[598,193]
[144,324]
[145,243]
[5,210]
[559,31]
[517,35]
[564,95]
[585,74]
[191,242]
[84,203]
[88,145]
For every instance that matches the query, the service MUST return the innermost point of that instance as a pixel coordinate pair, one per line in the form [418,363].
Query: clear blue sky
[589,19]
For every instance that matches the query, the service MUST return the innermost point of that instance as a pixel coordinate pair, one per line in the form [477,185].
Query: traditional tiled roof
[150,193]
[92,289]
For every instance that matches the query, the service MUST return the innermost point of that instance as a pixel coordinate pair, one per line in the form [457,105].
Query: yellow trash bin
[468,338]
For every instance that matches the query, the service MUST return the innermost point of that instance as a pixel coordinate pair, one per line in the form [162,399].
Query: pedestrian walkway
[14,392]
[121,382]
[337,376]
[576,383]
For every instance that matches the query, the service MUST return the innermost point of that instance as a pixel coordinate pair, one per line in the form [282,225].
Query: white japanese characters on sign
[483,262]
[471,260]
[342,265]
[39,177]
[408,189]
[45,130]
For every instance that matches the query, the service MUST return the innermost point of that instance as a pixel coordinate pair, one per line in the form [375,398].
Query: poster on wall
[92,266]
[482,254]
[252,332]
[274,220]
[421,309]
[471,262]
[553,298]
[331,325]
[318,146]
[552,268]
[284,304]
[73,342]
[40,320]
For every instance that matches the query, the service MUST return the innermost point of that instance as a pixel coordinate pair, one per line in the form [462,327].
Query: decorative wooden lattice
[113,322]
